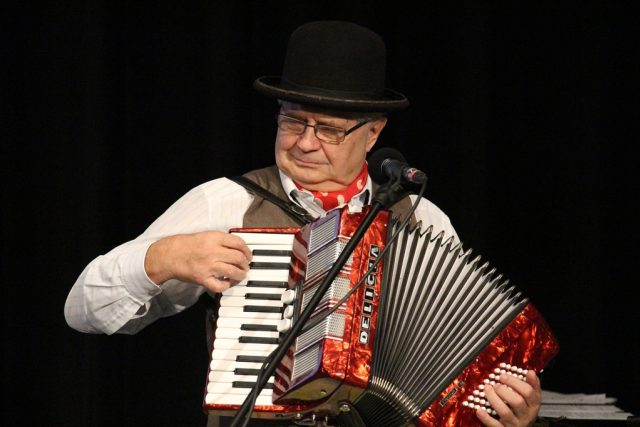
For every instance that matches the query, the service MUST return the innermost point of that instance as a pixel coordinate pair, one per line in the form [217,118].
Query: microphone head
[378,157]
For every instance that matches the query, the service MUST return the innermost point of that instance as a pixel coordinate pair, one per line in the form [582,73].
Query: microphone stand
[387,195]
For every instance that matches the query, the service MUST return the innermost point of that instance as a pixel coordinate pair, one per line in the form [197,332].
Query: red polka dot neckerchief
[333,199]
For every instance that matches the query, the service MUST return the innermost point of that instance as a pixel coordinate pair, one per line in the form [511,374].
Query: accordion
[409,331]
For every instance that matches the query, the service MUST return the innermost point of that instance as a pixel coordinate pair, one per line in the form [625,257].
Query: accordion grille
[305,362]
[322,260]
[338,289]
[438,308]
[323,231]
[332,327]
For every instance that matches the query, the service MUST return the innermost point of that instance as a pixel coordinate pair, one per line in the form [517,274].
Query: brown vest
[263,213]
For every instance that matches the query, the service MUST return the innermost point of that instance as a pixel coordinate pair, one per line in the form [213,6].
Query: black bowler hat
[337,65]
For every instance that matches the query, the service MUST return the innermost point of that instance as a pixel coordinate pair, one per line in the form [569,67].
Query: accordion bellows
[426,329]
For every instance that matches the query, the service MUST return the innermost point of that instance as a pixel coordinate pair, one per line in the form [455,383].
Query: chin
[301,174]
[308,179]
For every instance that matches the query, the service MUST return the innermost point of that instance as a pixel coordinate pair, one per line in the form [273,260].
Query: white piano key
[232,365]
[231,301]
[236,399]
[280,259]
[232,354]
[269,247]
[266,238]
[237,333]
[238,312]
[228,377]
[227,387]
[231,344]
[236,323]
[237,291]
[267,275]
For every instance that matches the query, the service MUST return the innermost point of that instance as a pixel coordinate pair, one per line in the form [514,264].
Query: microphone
[388,163]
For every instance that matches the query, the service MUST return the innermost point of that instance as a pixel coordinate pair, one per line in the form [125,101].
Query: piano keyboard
[246,328]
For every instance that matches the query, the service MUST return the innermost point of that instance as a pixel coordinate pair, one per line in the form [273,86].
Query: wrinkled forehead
[292,107]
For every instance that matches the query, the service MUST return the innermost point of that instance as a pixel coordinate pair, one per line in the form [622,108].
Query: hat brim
[390,100]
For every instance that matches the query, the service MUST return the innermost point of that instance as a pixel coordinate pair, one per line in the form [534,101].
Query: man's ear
[375,129]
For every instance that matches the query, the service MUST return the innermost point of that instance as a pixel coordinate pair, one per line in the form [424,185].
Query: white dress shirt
[114,293]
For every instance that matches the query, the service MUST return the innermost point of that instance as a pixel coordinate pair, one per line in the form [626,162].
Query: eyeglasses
[325,133]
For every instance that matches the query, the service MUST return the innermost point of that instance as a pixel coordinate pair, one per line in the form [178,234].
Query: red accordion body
[347,359]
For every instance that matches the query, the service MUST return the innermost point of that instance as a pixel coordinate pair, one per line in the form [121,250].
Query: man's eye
[291,123]
[329,130]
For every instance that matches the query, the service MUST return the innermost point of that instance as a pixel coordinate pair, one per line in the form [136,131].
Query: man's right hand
[212,259]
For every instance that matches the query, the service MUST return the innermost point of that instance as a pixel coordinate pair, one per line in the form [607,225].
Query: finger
[216,284]
[530,390]
[228,271]
[235,242]
[487,419]
[514,400]
[532,378]
[234,257]
[496,401]
[234,282]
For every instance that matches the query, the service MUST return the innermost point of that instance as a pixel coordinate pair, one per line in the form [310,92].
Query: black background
[523,115]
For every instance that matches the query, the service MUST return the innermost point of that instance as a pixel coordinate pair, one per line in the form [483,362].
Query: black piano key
[248,384]
[262,309]
[247,371]
[252,327]
[258,340]
[252,359]
[271,297]
[266,284]
[269,266]
[271,252]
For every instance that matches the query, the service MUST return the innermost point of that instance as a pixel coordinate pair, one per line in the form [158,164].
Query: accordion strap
[296,212]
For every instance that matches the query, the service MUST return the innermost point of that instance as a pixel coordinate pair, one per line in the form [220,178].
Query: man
[333,104]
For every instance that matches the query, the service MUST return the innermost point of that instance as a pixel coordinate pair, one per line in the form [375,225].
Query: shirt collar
[305,199]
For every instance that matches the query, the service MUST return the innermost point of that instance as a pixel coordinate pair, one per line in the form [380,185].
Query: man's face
[320,166]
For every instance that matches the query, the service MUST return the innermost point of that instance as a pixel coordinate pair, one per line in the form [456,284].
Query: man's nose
[308,140]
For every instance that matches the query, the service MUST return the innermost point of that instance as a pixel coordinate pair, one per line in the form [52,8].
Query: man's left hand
[517,402]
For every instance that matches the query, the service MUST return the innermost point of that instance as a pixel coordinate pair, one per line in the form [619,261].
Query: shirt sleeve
[114,293]
[431,215]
